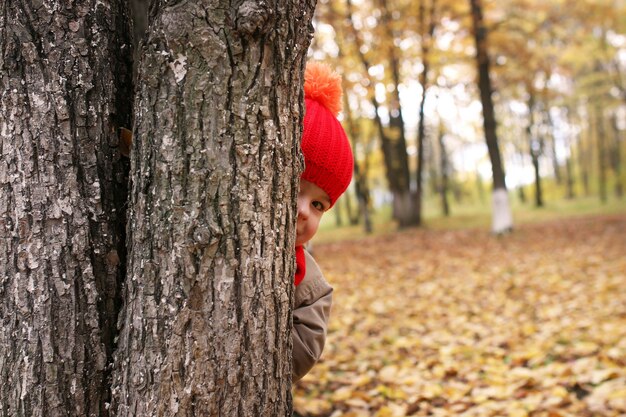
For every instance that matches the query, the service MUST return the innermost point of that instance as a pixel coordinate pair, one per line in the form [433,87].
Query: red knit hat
[328,161]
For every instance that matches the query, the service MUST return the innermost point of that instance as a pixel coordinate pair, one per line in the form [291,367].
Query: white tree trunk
[502,220]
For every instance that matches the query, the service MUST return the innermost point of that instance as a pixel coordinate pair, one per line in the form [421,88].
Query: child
[327,173]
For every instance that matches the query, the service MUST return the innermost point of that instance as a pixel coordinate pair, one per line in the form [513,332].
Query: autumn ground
[463,323]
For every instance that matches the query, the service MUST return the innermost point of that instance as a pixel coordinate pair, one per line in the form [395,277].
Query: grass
[472,215]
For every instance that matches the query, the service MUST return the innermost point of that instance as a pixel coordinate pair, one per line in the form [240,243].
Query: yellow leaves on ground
[462,323]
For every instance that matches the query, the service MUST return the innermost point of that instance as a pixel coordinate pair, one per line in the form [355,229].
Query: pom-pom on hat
[328,161]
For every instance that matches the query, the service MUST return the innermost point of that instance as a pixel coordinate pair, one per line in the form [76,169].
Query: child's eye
[319,206]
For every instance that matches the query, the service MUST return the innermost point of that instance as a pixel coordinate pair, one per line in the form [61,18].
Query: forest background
[450,319]
[558,86]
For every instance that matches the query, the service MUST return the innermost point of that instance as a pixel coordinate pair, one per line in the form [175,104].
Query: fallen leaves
[462,323]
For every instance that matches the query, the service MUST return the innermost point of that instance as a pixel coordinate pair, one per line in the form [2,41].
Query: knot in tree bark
[254,18]
[201,235]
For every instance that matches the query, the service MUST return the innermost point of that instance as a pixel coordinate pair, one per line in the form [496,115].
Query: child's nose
[303,209]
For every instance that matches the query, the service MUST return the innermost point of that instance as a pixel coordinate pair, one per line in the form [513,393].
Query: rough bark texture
[64,89]
[205,330]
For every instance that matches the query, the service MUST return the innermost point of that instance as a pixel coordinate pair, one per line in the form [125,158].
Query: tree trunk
[353,216]
[361,189]
[534,153]
[408,214]
[521,194]
[570,179]
[602,187]
[365,212]
[216,165]
[433,181]
[393,146]
[65,87]
[535,146]
[502,219]
[551,139]
[519,155]
[338,216]
[616,157]
[443,187]
[555,161]
[480,186]
[585,156]
[360,172]
[427,29]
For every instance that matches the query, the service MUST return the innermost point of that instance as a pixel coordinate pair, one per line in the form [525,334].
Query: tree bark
[65,88]
[502,219]
[216,165]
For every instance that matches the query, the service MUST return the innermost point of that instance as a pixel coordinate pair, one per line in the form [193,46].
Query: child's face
[312,203]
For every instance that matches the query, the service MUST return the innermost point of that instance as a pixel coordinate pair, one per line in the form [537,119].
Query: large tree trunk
[502,219]
[65,88]
[216,164]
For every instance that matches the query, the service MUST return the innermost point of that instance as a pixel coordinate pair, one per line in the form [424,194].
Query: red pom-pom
[323,85]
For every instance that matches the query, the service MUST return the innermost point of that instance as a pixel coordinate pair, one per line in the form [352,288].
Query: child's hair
[328,161]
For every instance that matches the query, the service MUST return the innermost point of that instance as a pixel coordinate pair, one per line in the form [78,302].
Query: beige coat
[312,303]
